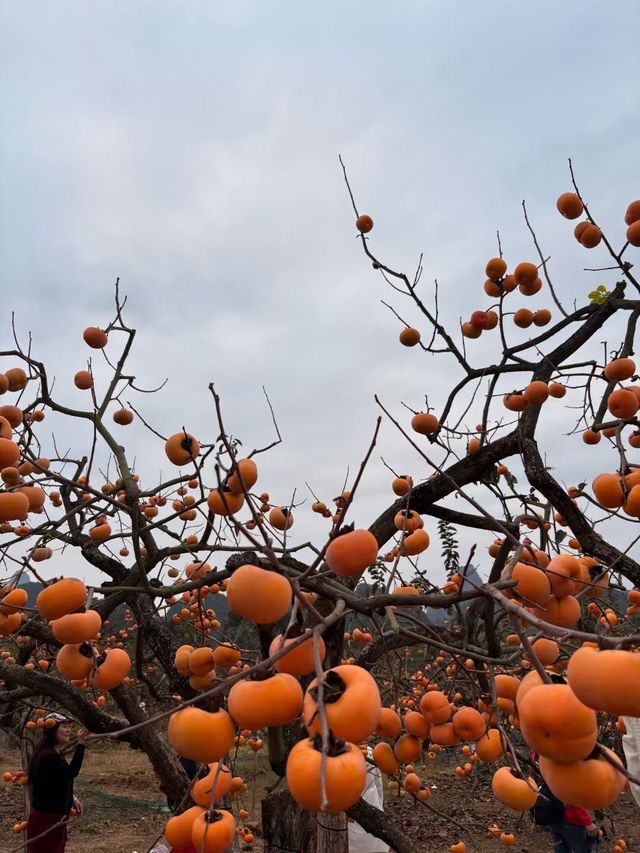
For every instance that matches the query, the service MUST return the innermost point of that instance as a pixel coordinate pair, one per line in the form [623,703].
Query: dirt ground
[474,809]
[124,810]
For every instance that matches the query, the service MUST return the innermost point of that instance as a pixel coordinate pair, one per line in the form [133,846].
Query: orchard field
[123,810]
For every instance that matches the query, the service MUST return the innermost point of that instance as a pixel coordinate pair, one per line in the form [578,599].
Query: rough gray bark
[286,827]
[25,755]
[377,823]
[467,470]
[289,828]
[162,641]
[332,835]
[581,528]
[75,702]
[153,742]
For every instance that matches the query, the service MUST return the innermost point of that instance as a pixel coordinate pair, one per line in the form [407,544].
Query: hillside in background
[230,621]
[218,603]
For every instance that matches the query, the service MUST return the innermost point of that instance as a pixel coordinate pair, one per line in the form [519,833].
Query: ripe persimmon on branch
[201,610]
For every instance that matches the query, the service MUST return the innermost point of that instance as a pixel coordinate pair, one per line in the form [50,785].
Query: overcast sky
[191,148]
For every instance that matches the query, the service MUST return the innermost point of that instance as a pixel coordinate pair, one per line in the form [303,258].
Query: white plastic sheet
[631,746]
[359,840]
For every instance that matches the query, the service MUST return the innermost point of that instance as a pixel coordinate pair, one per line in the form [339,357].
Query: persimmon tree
[329,645]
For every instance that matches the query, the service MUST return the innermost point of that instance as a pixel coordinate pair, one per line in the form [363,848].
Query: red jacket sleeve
[577,816]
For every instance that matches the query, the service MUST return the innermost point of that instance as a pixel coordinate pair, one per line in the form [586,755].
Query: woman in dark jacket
[51,786]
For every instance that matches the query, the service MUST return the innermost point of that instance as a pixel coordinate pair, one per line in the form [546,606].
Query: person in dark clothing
[572,827]
[50,780]
[577,833]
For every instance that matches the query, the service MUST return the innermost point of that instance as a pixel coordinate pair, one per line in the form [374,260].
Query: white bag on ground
[359,840]
[631,746]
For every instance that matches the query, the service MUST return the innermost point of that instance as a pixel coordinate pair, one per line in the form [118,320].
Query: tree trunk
[286,827]
[332,835]
[26,752]
[289,829]
[162,641]
[71,699]
[153,742]
[377,823]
